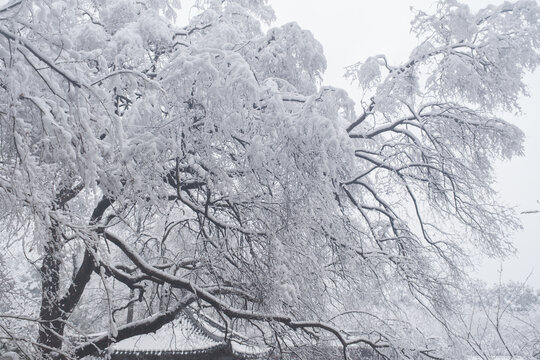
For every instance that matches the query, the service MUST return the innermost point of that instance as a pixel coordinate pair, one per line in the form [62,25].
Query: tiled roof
[190,335]
[181,335]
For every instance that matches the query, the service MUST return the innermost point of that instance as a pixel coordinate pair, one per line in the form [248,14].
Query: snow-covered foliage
[148,166]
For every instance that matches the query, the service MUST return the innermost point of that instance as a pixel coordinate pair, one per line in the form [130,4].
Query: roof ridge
[232,334]
[198,324]
[203,321]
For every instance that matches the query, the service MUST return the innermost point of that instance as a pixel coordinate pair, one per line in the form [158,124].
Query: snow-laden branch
[138,327]
[189,286]
[40,56]
[207,296]
[129,72]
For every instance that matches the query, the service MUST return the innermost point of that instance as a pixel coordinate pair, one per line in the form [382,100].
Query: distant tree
[152,167]
[500,321]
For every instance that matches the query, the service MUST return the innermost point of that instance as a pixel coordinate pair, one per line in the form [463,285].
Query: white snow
[184,335]
[180,335]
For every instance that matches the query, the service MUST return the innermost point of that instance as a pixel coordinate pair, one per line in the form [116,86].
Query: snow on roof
[190,333]
[241,345]
[180,335]
[248,350]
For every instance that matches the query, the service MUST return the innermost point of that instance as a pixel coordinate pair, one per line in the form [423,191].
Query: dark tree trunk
[129,317]
[51,327]
[55,310]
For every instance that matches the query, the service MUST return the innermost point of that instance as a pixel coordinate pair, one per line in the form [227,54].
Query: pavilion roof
[190,334]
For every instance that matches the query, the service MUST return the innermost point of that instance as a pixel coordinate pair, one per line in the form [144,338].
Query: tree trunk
[130,307]
[55,310]
[51,327]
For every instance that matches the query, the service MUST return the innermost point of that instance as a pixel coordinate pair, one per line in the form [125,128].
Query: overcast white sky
[352,30]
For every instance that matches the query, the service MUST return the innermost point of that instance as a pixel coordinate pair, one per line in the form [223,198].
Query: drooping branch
[74,292]
[207,295]
[187,285]
[135,328]
[40,56]
[362,117]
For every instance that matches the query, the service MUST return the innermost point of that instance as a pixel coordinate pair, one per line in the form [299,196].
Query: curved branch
[36,53]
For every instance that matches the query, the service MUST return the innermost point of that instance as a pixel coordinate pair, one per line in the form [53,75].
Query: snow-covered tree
[499,321]
[154,166]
